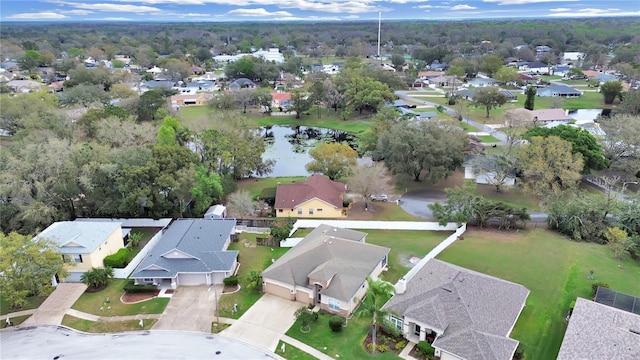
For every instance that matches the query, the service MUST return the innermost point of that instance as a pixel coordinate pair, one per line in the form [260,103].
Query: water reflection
[289,146]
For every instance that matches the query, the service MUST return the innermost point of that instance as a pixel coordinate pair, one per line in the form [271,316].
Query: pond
[582,115]
[288,146]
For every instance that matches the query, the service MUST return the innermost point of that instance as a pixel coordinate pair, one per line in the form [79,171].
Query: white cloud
[330,6]
[37,16]
[463,7]
[430,7]
[108,7]
[261,12]
[351,17]
[523,2]
[596,12]
[77,12]
[115,19]
[559,9]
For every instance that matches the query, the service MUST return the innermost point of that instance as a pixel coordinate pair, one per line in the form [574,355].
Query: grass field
[106,326]
[553,268]
[31,302]
[292,353]
[92,303]
[255,185]
[251,258]
[487,139]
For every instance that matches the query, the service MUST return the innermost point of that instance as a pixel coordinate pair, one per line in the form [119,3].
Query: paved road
[53,342]
[190,308]
[53,309]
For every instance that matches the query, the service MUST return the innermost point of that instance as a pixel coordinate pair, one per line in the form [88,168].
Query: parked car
[379,197]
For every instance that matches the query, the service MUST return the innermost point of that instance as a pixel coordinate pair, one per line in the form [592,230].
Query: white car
[379,197]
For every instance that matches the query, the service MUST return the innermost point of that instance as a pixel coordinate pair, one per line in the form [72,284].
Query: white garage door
[192,279]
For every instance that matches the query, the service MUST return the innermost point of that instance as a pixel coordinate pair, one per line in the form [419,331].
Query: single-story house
[558,91]
[280,99]
[538,117]
[199,99]
[24,86]
[571,56]
[534,67]
[190,252]
[84,244]
[429,74]
[603,78]
[328,268]
[598,331]
[242,83]
[489,177]
[481,82]
[561,70]
[464,314]
[445,81]
[315,197]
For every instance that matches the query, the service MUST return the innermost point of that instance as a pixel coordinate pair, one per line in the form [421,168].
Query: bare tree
[244,97]
[368,180]
[495,168]
[240,203]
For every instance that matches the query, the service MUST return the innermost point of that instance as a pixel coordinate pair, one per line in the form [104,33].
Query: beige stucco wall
[303,296]
[113,243]
[328,211]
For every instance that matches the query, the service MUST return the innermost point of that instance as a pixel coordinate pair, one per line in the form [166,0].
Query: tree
[97,278]
[27,267]
[549,165]
[378,293]
[398,61]
[254,280]
[581,142]
[364,93]
[409,148]
[85,95]
[206,190]
[30,60]
[621,145]
[334,160]
[581,216]
[490,64]
[299,102]
[630,104]
[618,242]
[506,74]
[317,95]
[149,104]
[244,97]
[368,180]
[240,203]
[529,103]
[611,90]
[263,98]
[280,229]
[489,98]
[335,97]
[575,72]
[496,167]
[225,101]
[305,316]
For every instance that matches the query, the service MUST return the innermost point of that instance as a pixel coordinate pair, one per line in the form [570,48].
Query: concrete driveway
[190,308]
[265,322]
[53,309]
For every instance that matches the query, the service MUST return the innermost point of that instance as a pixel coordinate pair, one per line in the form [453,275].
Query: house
[481,82]
[270,55]
[216,212]
[561,70]
[538,117]
[598,331]
[488,177]
[572,56]
[558,91]
[24,86]
[190,252]
[445,81]
[84,244]
[605,77]
[328,268]
[315,197]
[463,313]
[242,83]
[280,99]
[199,99]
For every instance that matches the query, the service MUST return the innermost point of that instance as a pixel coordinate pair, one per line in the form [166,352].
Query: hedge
[130,287]
[118,260]
[231,281]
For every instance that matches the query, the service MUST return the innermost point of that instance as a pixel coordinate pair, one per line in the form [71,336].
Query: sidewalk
[407,349]
[304,347]
[91,317]
[17,313]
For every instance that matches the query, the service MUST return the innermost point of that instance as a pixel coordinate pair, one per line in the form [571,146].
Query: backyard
[553,268]
[107,302]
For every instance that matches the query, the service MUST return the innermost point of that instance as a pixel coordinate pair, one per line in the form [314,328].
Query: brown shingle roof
[316,186]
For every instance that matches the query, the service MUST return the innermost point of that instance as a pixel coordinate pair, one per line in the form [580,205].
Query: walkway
[16,314]
[91,317]
[306,348]
[53,309]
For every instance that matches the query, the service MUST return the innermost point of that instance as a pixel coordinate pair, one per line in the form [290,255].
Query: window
[310,211]
[299,211]
[334,304]
[319,210]
[148,280]
[417,330]
[280,210]
[396,322]
[77,258]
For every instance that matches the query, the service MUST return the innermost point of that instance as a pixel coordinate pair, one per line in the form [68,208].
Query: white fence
[375,225]
[124,273]
[401,285]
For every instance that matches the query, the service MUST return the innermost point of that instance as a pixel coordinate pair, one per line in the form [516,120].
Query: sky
[301,10]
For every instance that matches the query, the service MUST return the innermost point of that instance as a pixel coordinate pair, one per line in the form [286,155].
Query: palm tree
[377,295]
[97,277]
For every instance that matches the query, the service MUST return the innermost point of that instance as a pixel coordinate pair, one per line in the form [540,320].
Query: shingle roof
[475,311]
[599,331]
[329,253]
[317,186]
[199,242]
[79,237]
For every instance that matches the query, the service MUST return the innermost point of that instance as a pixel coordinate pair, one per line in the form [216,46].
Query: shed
[216,212]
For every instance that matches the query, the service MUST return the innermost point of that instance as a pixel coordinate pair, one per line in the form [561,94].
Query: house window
[319,210]
[299,211]
[396,322]
[77,258]
[148,280]
[280,210]
[334,304]
[310,211]
[416,330]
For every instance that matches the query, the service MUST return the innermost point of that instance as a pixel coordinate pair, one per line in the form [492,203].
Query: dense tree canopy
[334,160]
[489,98]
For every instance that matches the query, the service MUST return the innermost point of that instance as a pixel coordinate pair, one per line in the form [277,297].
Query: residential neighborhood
[319,188]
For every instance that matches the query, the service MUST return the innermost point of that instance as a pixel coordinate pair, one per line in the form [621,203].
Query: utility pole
[379,25]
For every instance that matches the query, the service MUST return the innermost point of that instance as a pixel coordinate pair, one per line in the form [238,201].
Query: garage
[278,290]
[192,279]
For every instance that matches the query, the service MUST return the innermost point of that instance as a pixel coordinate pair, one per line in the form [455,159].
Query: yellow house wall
[328,211]
[113,243]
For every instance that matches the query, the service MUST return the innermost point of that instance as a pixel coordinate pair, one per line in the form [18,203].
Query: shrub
[595,285]
[519,354]
[346,202]
[382,348]
[118,260]
[130,287]
[400,345]
[390,328]
[336,323]
[425,349]
[230,281]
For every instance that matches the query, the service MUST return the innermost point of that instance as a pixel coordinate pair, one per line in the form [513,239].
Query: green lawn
[106,326]
[487,139]
[292,353]
[553,268]
[92,302]
[255,185]
[32,302]
[347,344]
[250,258]
[16,320]
[383,211]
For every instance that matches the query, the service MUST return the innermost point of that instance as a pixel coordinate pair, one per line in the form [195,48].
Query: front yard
[96,303]
[106,326]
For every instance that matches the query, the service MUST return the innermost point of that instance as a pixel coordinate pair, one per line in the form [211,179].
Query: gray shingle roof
[329,253]
[599,331]
[476,311]
[198,242]
[79,237]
